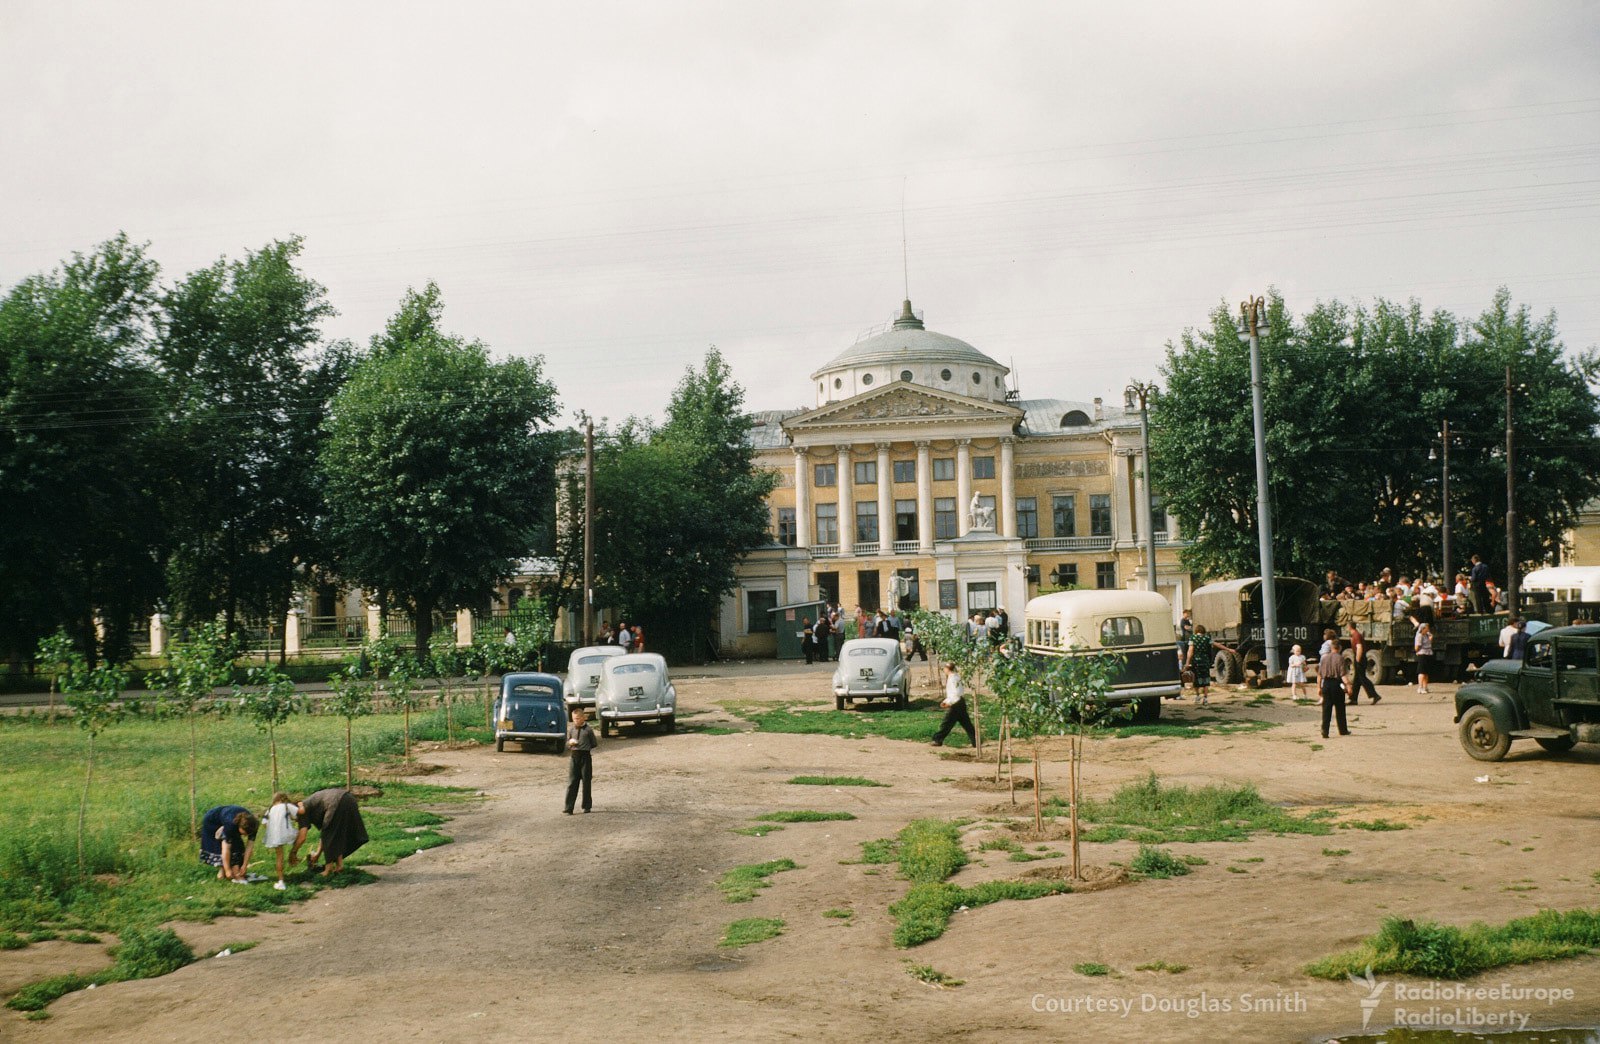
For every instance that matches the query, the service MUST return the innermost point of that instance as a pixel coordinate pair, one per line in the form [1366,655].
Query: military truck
[1551,696]
[1459,641]
[1231,611]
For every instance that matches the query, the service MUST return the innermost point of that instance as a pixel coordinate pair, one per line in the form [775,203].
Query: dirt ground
[535,925]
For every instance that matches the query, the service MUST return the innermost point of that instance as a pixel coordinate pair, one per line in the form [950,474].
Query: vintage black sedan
[529,708]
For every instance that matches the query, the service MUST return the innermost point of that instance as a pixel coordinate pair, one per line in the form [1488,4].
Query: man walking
[1331,685]
[580,748]
[955,708]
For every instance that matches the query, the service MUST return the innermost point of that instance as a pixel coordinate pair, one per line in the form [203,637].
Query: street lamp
[1252,318]
[1140,393]
[1444,485]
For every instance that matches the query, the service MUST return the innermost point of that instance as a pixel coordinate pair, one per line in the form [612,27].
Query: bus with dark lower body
[1136,625]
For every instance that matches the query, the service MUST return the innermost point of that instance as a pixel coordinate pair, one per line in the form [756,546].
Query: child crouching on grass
[281,831]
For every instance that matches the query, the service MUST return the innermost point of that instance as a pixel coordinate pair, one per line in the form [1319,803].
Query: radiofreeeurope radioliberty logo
[1370,1002]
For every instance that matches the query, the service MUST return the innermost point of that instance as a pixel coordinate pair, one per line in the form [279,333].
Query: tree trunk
[1038,810]
[349,767]
[424,626]
[977,724]
[1011,768]
[283,642]
[194,787]
[488,705]
[272,741]
[449,726]
[406,731]
[1072,798]
[1000,752]
[83,802]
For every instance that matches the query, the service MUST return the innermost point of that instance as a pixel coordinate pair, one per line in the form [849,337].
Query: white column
[802,498]
[885,502]
[847,504]
[292,626]
[158,634]
[963,485]
[924,497]
[1008,490]
[464,623]
[374,621]
[1121,489]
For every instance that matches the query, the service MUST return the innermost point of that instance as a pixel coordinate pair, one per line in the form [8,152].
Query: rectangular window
[827,523]
[1158,515]
[1100,514]
[786,526]
[944,518]
[905,520]
[1027,517]
[1122,630]
[1105,575]
[982,596]
[944,469]
[866,472]
[828,587]
[1065,575]
[983,467]
[910,586]
[758,617]
[825,475]
[867,522]
[1064,514]
[905,471]
[867,589]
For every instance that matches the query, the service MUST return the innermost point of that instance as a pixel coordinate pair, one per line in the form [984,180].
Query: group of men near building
[821,641]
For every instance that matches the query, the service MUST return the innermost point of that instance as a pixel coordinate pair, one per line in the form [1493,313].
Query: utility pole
[1511,507]
[1252,314]
[588,530]
[1141,392]
[1449,570]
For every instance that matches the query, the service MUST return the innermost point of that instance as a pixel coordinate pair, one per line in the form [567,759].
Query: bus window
[1122,630]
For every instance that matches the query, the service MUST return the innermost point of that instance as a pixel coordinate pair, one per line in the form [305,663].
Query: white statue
[979,515]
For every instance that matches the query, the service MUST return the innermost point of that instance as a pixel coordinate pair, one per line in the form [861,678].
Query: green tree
[95,697]
[188,686]
[60,657]
[270,699]
[250,389]
[351,699]
[1353,401]
[677,507]
[430,448]
[80,452]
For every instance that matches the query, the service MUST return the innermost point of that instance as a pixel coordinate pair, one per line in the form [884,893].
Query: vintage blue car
[530,707]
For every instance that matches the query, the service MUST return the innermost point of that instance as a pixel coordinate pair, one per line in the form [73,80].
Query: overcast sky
[617,186]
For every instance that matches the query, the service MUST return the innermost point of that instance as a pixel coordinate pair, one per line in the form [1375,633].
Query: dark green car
[1551,696]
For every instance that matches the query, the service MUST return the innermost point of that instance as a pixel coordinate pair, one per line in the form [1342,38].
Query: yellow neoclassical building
[920,477]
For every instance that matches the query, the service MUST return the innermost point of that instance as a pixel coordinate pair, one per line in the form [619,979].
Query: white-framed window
[984,595]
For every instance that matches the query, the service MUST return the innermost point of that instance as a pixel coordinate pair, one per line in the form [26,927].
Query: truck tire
[1481,738]
[1375,664]
[1557,744]
[1227,668]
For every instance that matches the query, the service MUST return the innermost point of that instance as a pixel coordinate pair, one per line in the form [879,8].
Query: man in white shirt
[955,708]
[1508,632]
[625,637]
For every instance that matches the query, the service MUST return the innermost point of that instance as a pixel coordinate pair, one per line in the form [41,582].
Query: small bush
[1442,951]
[1092,968]
[752,930]
[741,884]
[1157,862]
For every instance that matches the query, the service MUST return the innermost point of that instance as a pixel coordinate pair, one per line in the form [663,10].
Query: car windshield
[870,650]
[636,668]
[532,690]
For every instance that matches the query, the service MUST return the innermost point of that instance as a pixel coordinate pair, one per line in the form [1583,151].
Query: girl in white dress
[281,831]
[1297,672]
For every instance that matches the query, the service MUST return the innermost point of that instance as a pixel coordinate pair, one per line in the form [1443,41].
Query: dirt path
[540,926]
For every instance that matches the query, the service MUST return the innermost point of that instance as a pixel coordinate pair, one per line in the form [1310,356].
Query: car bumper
[507,734]
[1139,692]
[867,693]
[634,714]
[579,701]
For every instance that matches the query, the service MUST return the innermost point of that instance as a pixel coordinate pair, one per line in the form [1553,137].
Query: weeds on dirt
[1442,951]
[802,815]
[839,915]
[932,976]
[930,850]
[143,953]
[1371,824]
[915,724]
[741,884]
[1151,813]
[1092,968]
[999,844]
[926,910]
[1335,851]
[751,930]
[1157,863]
[759,830]
[836,781]
[1194,728]
[887,850]
[1162,966]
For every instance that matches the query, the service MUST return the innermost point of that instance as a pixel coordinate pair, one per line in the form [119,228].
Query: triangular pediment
[901,404]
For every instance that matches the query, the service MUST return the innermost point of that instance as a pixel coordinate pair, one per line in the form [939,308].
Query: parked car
[530,707]
[1551,696]
[871,669]
[1137,625]
[584,668]
[635,687]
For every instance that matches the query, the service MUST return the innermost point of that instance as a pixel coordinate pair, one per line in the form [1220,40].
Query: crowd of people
[228,835]
[821,639]
[1473,591]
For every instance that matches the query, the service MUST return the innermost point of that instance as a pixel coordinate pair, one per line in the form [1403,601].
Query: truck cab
[1551,696]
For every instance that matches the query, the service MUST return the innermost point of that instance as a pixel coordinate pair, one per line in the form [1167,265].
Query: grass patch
[836,781]
[1158,863]
[759,830]
[1442,951]
[926,910]
[1335,851]
[1029,857]
[839,915]
[1151,813]
[916,724]
[1092,968]
[741,884]
[1162,966]
[1194,728]
[929,850]
[999,844]
[751,930]
[143,953]
[887,850]
[1371,824]
[932,976]
[802,815]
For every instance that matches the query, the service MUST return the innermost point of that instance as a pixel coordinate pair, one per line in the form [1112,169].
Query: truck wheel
[838,703]
[1147,711]
[499,745]
[1227,668]
[1481,737]
[1556,745]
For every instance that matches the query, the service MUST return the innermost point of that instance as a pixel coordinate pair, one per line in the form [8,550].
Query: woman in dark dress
[227,838]
[338,820]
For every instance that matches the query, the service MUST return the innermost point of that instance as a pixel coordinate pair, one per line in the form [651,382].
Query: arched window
[1074,419]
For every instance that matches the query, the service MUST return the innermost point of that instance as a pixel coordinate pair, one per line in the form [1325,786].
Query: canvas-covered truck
[1231,611]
